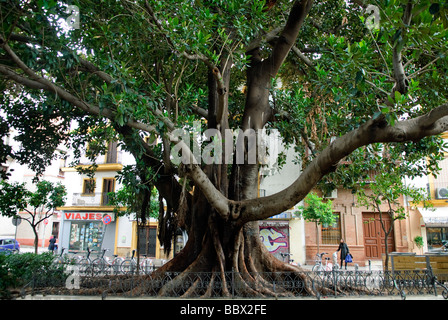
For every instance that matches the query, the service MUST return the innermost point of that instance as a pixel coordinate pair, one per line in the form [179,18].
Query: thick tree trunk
[218,243]
[221,246]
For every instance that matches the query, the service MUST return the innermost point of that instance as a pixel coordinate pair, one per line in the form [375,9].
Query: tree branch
[9,74]
[373,131]
[287,38]
[87,66]
[45,217]
[199,111]
[303,57]
[401,81]
[268,37]
[221,88]
[90,67]
[38,82]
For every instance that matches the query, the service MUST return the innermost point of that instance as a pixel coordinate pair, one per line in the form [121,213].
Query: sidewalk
[374,266]
[26,249]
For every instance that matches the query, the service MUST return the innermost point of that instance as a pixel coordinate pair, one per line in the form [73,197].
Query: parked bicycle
[86,264]
[103,265]
[64,258]
[61,258]
[130,265]
[336,265]
[285,254]
[328,266]
[146,265]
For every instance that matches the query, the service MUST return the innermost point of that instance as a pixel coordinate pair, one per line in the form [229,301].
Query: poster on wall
[85,235]
[275,236]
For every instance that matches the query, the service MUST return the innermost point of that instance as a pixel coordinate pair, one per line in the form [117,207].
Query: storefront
[437,238]
[435,223]
[81,230]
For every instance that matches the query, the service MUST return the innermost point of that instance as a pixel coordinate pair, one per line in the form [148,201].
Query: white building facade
[283,234]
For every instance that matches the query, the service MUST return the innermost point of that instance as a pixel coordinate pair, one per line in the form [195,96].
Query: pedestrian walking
[344,252]
[52,244]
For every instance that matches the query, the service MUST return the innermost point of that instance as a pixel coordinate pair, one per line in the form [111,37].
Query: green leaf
[398,97]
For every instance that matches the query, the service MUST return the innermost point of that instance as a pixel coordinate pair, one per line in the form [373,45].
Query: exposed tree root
[241,266]
[251,272]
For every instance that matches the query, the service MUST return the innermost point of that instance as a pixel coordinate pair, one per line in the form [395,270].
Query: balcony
[111,161]
[90,199]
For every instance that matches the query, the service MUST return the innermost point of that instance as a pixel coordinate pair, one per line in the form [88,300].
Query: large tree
[331,77]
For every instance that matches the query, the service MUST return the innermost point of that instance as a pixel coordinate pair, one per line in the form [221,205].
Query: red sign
[107,219]
[83,216]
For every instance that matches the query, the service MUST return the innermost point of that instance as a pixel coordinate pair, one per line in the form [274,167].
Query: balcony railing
[90,199]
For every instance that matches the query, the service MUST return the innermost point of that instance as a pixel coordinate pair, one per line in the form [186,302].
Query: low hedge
[19,270]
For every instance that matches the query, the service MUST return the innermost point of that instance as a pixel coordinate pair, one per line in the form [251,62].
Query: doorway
[108,186]
[374,237]
[55,229]
[147,241]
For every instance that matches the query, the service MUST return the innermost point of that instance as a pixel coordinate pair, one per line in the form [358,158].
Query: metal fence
[74,281]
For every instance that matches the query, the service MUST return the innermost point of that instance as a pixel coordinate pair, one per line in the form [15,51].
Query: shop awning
[435,217]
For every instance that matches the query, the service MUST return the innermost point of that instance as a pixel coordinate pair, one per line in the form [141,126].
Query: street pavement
[25,249]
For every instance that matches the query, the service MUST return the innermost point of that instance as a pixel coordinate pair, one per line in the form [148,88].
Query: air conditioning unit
[331,195]
[442,193]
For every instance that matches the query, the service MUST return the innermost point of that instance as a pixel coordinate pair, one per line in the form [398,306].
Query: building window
[108,186]
[88,187]
[331,234]
[437,237]
[85,235]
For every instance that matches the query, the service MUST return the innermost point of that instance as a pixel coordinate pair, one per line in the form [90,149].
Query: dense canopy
[348,84]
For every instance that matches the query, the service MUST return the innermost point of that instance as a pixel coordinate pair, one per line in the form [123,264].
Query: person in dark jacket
[344,252]
[52,246]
